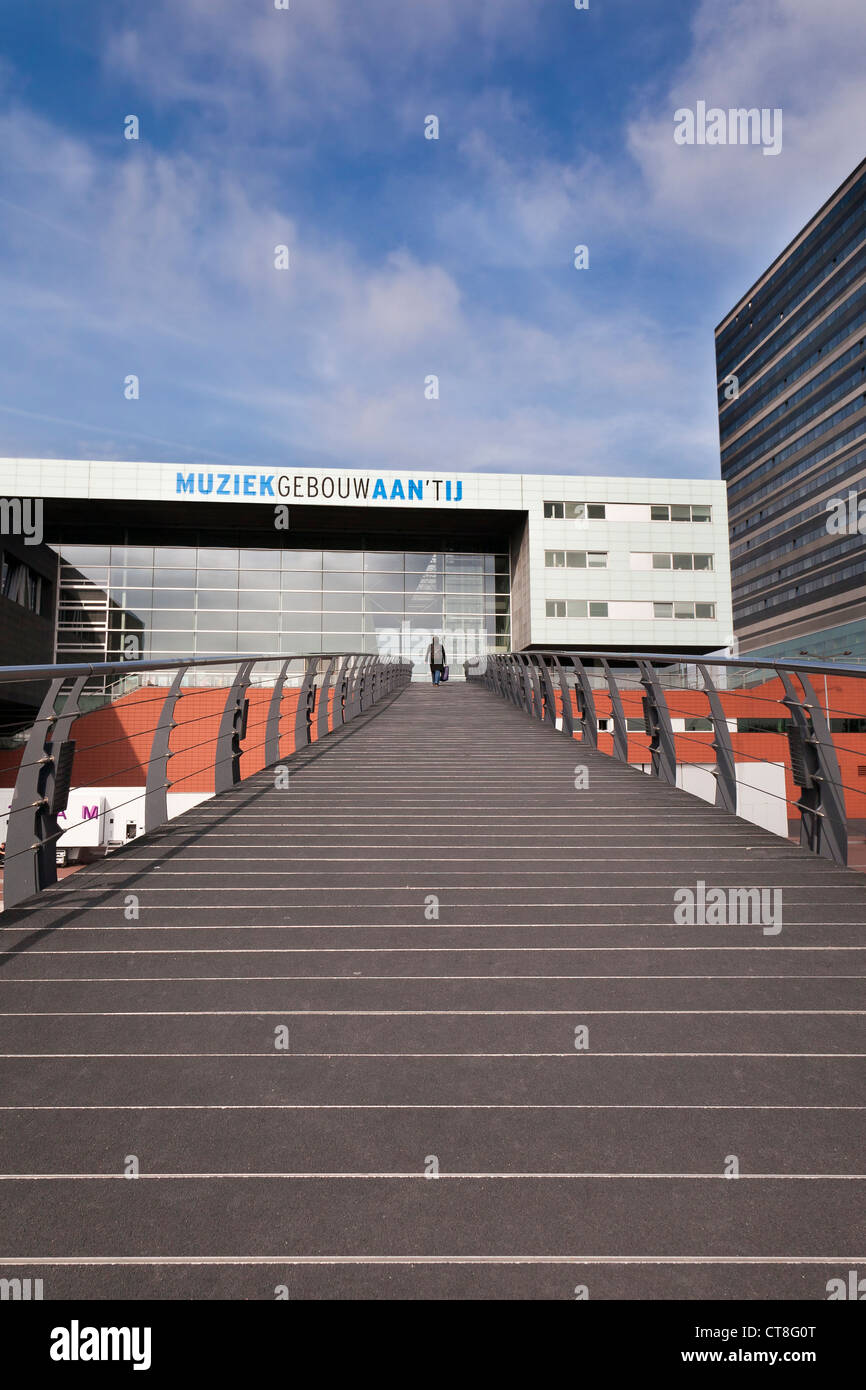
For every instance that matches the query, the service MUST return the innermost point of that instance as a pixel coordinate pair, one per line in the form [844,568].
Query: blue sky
[409,257]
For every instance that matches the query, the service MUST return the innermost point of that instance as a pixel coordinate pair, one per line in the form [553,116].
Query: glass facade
[792,419]
[153,602]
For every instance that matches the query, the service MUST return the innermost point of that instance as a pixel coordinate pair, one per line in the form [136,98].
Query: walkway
[425,917]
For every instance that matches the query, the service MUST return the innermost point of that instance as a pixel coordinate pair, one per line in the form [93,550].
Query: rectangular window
[696,725]
[553,510]
[554,559]
[635,726]
[575,559]
[392,561]
[702,513]
[763,726]
[684,610]
[576,607]
[33,583]
[681,513]
[682,562]
[663,610]
[659,512]
[703,562]
[598,610]
[597,559]
[661,562]
[574,510]
[555,608]
[705,610]
[595,511]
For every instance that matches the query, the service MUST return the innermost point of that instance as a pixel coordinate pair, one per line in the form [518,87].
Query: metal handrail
[817,668]
[110,668]
[531,680]
[350,683]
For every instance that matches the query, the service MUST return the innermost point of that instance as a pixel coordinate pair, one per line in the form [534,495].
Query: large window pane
[215,598]
[384,560]
[210,558]
[343,560]
[338,580]
[302,579]
[258,622]
[172,618]
[301,560]
[300,622]
[217,579]
[217,622]
[165,578]
[130,555]
[138,578]
[80,555]
[259,599]
[346,603]
[384,583]
[422,562]
[257,560]
[259,579]
[179,556]
[173,598]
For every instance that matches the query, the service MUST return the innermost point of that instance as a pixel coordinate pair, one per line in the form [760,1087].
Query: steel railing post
[587,711]
[227,770]
[823,820]
[726,772]
[157,783]
[617,714]
[272,722]
[322,700]
[657,717]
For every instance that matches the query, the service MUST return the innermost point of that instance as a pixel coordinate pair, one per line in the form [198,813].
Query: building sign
[312,487]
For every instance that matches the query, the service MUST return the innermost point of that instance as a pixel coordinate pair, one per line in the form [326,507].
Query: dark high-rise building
[791,360]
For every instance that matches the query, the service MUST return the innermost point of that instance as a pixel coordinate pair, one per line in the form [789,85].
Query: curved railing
[331,690]
[574,690]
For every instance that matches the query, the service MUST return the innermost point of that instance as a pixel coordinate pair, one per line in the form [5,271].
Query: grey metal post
[620,728]
[528,684]
[726,772]
[547,699]
[322,707]
[227,771]
[823,823]
[353,695]
[345,669]
[565,696]
[364,683]
[658,720]
[32,830]
[588,718]
[304,711]
[156,786]
[272,722]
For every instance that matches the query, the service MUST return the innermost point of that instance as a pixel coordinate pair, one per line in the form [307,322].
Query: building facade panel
[791,360]
[177,560]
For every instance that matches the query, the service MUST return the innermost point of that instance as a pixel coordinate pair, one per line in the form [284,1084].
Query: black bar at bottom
[162,1339]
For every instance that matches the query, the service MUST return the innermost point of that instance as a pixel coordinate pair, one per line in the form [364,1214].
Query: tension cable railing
[555,686]
[331,690]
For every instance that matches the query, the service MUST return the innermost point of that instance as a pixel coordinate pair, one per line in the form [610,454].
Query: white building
[176,559]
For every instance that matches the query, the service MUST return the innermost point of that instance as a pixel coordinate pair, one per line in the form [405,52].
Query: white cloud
[808,60]
[125,259]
